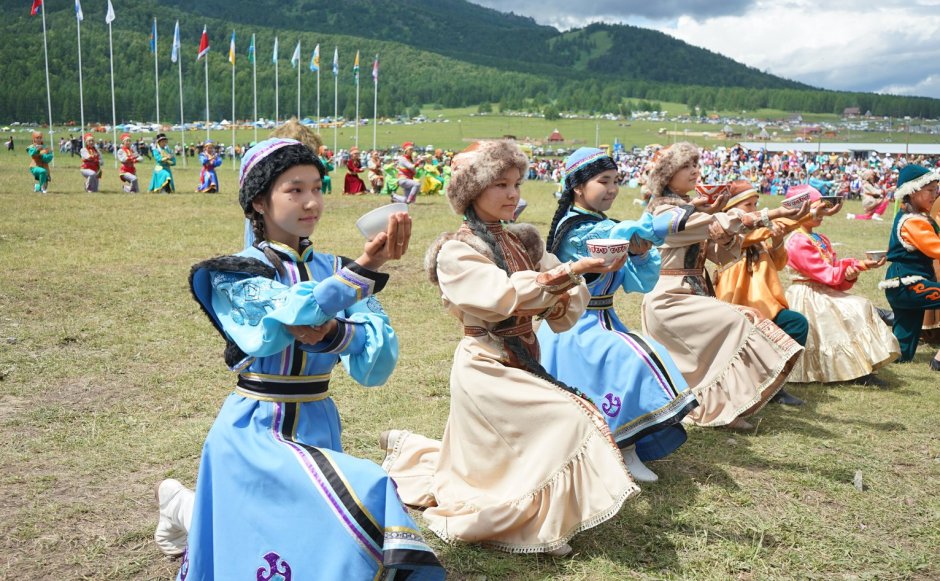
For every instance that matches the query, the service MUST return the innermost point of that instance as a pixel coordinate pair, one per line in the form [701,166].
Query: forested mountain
[449,52]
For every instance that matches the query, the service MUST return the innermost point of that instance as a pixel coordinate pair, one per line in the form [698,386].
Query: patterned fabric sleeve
[807,259]
[254,310]
[475,285]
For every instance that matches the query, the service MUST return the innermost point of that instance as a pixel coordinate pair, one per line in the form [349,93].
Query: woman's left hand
[312,334]
[389,245]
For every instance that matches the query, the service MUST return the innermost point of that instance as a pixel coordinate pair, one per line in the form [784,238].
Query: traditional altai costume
[733,359]
[275,494]
[525,463]
[91,163]
[911,283]
[353,184]
[128,159]
[641,393]
[39,159]
[847,338]
[163,159]
[209,159]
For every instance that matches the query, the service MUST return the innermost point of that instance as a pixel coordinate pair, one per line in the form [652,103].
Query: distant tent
[763,134]
[555,137]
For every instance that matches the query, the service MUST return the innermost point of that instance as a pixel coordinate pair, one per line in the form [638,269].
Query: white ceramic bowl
[610,249]
[712,191]
[374,222]
[876,254]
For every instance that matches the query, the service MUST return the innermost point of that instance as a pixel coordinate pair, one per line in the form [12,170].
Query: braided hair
[513,344]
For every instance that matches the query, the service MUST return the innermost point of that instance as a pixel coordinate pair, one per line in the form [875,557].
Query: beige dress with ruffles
[523,464]
[734,359]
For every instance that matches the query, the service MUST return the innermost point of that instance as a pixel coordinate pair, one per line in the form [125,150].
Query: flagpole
[208,122]
[81,91]
[375,105]
[45,50]
[182,122]
[357,107]
[254,80]
[233,104]
[156,71]
[276,97]
[113,108]
[335,96]
[176,50]
[299,66]
[318,98]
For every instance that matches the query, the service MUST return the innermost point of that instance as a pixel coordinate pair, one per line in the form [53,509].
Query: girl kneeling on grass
[275,493]
[526,462]
[641,392]
[734,359]
[847,339]
[911,284]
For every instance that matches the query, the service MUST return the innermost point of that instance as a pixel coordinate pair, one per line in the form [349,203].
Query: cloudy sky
[888,46]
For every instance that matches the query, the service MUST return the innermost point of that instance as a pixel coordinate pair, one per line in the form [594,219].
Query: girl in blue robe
[163,158]
[210,159]
[276,497]
[631,378]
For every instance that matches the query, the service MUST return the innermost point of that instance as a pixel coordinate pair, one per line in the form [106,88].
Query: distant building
[555,137]
[851,112]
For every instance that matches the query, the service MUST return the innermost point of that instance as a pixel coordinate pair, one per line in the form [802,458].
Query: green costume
[39,166]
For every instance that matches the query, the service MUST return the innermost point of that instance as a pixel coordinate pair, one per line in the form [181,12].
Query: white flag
[109,17]
[175,51]
[78,11]
[295,59]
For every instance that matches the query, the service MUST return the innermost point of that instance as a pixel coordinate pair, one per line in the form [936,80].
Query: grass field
[110,377]
[464,126]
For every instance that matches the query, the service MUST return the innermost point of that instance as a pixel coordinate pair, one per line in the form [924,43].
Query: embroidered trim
[899,281]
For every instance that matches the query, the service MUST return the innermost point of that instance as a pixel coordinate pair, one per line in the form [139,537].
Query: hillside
[449,52]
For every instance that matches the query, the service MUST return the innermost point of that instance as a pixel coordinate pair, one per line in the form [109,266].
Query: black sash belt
[268,388]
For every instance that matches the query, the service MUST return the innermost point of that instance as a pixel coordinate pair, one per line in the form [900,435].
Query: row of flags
[204,45]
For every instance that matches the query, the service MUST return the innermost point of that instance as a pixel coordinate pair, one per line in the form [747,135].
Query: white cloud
[858,45]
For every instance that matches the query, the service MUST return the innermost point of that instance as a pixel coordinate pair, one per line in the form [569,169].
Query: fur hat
[265,161]
[740,191]
[667,162]
[912,178]
[584,164]
[480,165]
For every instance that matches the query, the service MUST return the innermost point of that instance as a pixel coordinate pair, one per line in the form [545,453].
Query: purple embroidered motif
[276,570]
[184,566]
[612,406]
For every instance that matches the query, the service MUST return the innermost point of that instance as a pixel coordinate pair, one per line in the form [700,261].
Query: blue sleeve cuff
[346,341]
[348,286]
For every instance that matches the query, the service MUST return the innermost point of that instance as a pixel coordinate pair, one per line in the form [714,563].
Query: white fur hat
[480,165]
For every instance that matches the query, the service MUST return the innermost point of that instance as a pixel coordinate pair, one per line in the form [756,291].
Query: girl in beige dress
[733,358]
[525,462]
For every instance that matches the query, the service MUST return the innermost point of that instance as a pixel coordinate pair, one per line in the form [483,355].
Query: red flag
[203,44]
[37,6]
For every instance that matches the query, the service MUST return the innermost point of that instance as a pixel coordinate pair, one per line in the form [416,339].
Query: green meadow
[110,377]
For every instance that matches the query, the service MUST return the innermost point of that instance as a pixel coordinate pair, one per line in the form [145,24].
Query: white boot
[176,510]
[561,551]
[637,468]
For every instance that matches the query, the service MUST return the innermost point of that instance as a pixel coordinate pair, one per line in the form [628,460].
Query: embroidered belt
[601,302]
[516,331]
[900,281]
[682,272]
[297,389]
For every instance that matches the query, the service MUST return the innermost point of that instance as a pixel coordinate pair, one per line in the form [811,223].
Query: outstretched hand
[703,204]
[389,245]
[792,213]
[597,265]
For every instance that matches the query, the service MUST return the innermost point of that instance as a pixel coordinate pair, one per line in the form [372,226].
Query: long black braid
[564,204]
[513,344]
[256,219]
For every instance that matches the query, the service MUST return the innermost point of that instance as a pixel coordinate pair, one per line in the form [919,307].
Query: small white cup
[376,221]
[876,255]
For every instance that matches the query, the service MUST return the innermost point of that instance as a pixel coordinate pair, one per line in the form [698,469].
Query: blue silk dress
[276,497]
[631,378]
